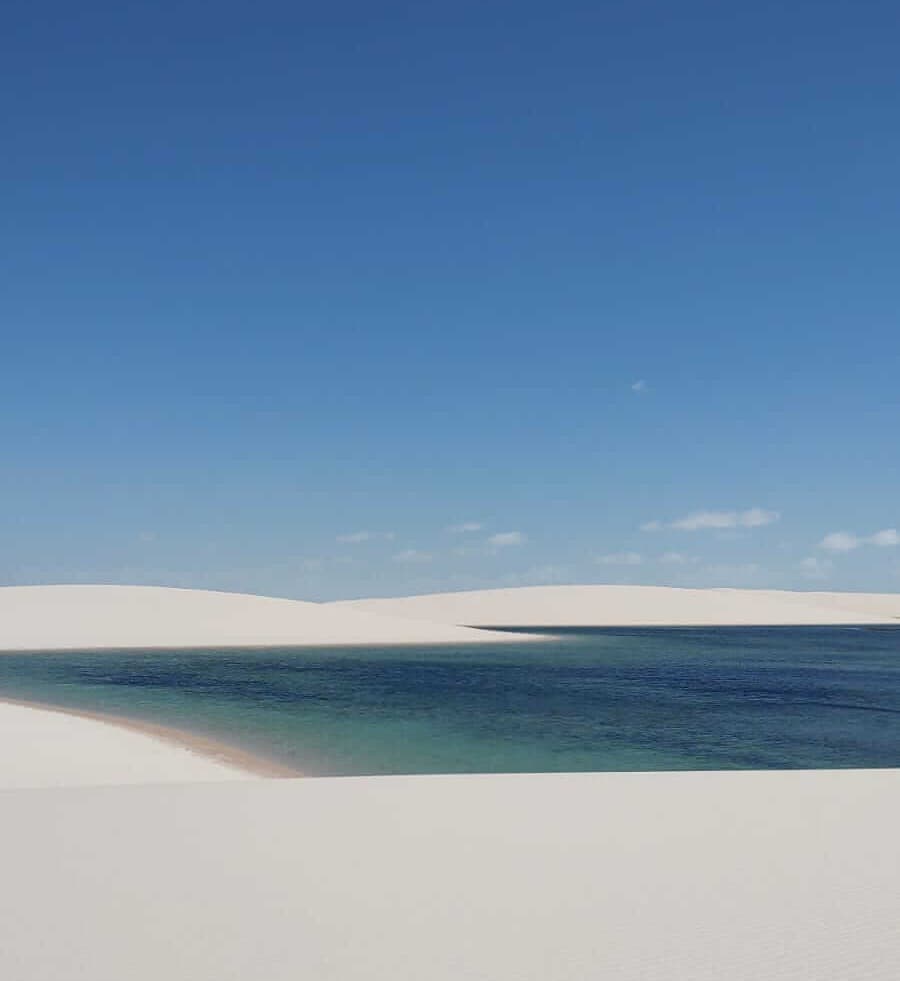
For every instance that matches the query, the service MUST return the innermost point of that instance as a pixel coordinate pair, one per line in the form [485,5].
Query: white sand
[789,876]
[873,604]
[40,748]
[636,606]
[632,877]
[71,617]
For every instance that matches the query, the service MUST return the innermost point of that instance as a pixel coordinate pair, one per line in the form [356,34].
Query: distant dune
[638,606]
[108,617]
[72,617]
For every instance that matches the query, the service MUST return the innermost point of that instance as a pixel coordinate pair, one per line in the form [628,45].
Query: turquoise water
[652,699]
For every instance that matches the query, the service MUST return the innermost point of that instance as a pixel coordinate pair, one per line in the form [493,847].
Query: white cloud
[702,520]
[846,541]
[816,568]
[413,555]
[752,518]
[465,526]
[504,538]
[757,517]
[355,537]
[619,558]
[840,541]
[639,386]
[886,538]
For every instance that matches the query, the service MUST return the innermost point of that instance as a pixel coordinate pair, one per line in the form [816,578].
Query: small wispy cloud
[847,541]
[465,527]
[726,573]
[677,558]
[619,558]
[412,555]
[355,537]
[840,541]
[468,550]
[541,575]
[816,568]
[751,518]
[504,539]
[639,386]
[704,520]
[885,539]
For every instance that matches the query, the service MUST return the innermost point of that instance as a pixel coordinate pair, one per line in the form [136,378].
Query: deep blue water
[635,699]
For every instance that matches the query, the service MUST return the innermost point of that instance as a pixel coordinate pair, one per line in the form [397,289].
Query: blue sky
[288,295]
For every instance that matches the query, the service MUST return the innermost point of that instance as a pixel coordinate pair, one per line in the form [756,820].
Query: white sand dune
[885,605]
[104,617]
[72,617]
[547,606]
[44,748]
[632,877]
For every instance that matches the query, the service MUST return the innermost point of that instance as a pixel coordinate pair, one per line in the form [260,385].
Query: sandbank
[46,746]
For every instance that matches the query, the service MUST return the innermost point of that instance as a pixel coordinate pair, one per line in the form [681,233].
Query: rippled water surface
[653,699]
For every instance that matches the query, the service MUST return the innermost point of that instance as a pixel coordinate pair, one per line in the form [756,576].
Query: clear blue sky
[274,278]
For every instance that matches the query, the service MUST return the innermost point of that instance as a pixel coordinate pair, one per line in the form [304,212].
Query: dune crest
[637,606]
[115,617]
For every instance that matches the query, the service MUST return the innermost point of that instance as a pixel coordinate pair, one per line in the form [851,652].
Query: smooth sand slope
[620,606]
[73,617]
[874,604]
[45,748]
[632,877]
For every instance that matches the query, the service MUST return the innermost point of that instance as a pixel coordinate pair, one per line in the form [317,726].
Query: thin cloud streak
[619,558]
[816,568]
[717,520]
[356,537]
[847,541]
[412,555]
[504,539]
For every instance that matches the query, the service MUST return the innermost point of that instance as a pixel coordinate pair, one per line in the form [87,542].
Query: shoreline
[252,764]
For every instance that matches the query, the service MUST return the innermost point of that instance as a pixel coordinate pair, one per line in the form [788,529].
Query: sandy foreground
[637,606]
[682,877]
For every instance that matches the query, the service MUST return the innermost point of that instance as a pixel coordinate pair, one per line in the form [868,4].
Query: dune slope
[73,617]
[547,606]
